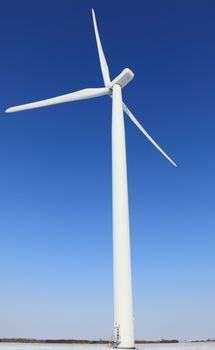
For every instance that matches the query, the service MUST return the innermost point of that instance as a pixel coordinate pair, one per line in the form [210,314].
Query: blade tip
[12,110]
[8,110]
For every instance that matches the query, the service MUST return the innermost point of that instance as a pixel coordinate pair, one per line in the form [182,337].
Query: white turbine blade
[128,112]
[103,63]
[74,96]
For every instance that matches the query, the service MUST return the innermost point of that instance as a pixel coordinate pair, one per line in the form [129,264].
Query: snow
[178,346]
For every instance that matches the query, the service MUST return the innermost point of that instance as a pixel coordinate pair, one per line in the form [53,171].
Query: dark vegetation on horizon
[85,341]
[77,341]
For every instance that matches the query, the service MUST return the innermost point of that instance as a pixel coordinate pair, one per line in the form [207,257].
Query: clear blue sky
[55,168]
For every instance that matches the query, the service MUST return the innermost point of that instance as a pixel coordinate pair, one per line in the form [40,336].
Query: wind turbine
[123,305]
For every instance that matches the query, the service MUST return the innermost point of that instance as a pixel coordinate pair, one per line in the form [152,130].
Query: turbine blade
[74,96]
[135,121]
[103,63]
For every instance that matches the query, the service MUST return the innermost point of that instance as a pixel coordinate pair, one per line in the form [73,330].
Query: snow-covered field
[179,346]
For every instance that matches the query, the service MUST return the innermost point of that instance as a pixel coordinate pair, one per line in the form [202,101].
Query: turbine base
[122,348]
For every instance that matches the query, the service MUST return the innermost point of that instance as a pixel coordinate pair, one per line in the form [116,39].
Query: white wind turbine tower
[123,305]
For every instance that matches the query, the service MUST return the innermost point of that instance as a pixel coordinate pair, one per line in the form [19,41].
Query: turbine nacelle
[122,79]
